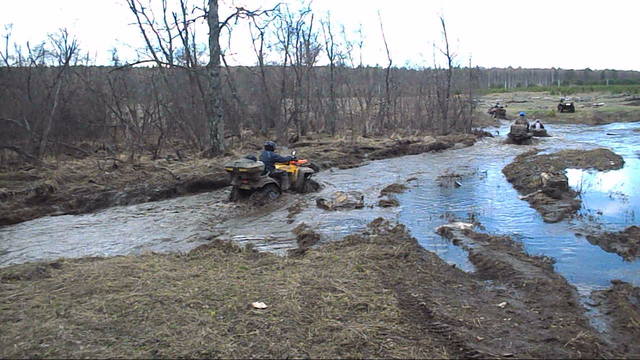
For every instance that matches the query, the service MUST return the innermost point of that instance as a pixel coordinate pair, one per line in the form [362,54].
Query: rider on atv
[270,158]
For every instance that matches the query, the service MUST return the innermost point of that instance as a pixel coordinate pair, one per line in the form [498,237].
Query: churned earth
[377,293]
[541,178]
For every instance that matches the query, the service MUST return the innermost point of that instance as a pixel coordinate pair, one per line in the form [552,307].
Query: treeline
[308,78]
[511,78]
[52,101]
[46,110]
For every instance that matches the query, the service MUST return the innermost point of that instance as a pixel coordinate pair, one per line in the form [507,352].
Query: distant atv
[519,134]
[249,181]
[498,112]
[566,106]
[540,133]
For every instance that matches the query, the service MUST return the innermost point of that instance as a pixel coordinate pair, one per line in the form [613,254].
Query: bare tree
[383,113]
[215,112]
[331,51]
[444,91]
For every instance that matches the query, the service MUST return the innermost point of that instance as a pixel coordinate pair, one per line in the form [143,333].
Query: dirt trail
[373,294]
[542,182]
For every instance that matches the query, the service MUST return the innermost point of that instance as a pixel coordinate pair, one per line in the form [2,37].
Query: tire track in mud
[419,312]
[535,290]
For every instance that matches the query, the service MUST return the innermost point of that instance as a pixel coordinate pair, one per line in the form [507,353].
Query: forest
[308,77]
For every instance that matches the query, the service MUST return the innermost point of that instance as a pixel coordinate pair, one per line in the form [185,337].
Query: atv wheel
[310,185]
[315,167]
[268,193]
[271,192]
[238,194]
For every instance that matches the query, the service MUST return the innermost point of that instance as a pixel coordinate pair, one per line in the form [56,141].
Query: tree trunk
[215,112]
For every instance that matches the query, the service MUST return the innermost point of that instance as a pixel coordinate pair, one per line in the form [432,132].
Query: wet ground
[376,293]
[611,202]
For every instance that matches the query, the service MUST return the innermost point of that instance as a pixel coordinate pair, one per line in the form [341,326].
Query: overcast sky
[490,33]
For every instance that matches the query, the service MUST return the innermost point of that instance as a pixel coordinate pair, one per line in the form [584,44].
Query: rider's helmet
[522,113]
[270,146]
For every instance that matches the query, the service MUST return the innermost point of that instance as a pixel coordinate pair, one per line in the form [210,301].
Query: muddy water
[610,201]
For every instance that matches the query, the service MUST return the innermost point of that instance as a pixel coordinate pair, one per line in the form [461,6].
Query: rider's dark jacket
[270,158]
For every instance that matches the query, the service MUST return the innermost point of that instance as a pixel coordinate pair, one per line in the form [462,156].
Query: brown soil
[624,243]
[622,304]
[86,185]
[540,306]
[554,199]
[377,294]
[393,189]
[388,195]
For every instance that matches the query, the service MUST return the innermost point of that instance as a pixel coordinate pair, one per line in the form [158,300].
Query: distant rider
[270,158]
[538,125]
[522,120]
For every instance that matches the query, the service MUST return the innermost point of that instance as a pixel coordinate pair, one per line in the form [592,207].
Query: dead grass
[542,105]
[328,304]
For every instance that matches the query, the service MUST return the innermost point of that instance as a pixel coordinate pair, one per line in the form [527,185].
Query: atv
[566,107]
[248,179]
[519,134]
[498,112]
[539,132]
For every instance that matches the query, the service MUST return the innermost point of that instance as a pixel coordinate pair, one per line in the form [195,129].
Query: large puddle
[611,201]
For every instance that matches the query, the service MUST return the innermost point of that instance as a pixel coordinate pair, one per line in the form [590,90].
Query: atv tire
[266,194]
[238,194]
[315,167]
[310,186]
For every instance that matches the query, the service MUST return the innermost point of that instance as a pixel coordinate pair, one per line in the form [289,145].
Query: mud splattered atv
[519,134]
[248,180]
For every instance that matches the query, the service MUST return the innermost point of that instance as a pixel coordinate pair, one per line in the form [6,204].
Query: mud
[82,187]
[341,200]
[90,184]
[449,179]
[621,304]
[375,294]
[625,243]
[389,201]
[393,189]
[305,239]
[542,181]
[539,304]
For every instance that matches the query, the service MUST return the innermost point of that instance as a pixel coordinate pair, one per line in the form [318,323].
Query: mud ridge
[625,243]
[533,290]
[542,181]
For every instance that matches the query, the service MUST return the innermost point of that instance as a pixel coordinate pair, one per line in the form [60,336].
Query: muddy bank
[625,243]
[542,181]
[86,185]
[621,303]
[373,294]
[345,154]
[534,296]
